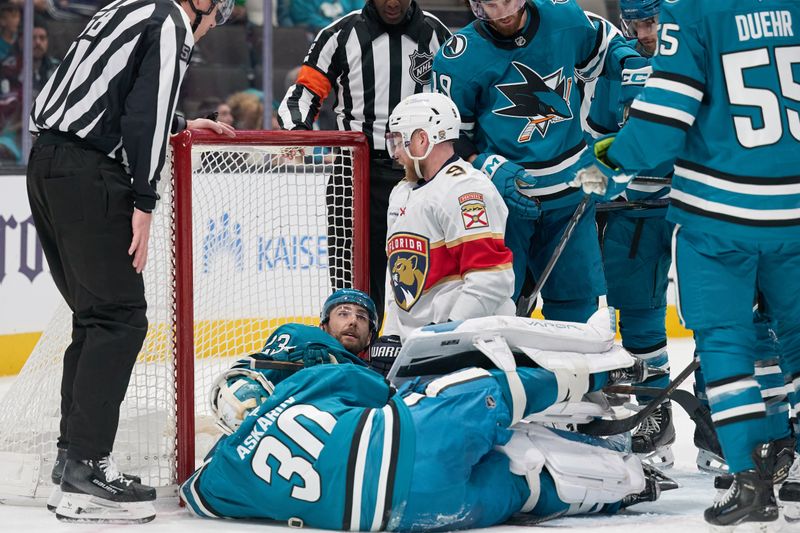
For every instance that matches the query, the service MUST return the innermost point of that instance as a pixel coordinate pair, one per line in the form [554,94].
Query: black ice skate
[655,483]
[636,373]
[55,476]
[750,498]
[784,457]
[709,454]
[95,491]
[654,437]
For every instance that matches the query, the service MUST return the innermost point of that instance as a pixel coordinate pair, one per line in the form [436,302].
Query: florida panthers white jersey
[447,258]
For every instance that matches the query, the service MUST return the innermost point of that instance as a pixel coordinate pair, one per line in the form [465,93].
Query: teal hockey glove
[512,181]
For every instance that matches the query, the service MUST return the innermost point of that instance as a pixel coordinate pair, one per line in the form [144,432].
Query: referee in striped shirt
[102,122]
[370,59]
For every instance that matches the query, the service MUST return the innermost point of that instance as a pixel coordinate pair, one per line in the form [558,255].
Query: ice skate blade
[749,527]
[661,458]
[54,499]
[791,514]
[710,463]
[88,509]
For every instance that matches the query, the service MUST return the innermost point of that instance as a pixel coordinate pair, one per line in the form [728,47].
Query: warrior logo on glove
[408,263]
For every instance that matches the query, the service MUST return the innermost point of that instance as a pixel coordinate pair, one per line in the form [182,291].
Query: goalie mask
[235,394]
[433,113]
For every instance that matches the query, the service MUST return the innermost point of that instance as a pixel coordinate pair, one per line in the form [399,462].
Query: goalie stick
[633,204]
[603,427]
[526,304]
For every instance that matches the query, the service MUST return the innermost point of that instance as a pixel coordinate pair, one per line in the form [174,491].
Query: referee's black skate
[55,476]
[750,498]
[95,491]
[654,437]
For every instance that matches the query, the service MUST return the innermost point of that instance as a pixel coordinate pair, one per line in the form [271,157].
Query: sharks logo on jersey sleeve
[540,100]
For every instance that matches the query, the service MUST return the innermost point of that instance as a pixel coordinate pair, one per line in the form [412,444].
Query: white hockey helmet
[235,394]
[434,113]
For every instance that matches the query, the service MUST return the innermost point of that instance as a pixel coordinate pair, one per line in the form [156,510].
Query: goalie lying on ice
[335,446]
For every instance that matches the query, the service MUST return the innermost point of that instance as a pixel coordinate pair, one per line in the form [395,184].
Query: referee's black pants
[82,204]
[383,176]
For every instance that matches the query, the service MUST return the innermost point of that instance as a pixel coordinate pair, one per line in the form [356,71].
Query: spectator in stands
[247,108]
[209,106]
[10,17]
[43,64]
[316,14]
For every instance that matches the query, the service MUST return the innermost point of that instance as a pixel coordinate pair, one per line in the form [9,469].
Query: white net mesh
[261,247]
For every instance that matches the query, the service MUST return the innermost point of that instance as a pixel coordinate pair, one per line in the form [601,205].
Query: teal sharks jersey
[724,98]
[328,449]
[518,97]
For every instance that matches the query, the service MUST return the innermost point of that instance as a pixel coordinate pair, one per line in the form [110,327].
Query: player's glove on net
[512,181]
[383,352]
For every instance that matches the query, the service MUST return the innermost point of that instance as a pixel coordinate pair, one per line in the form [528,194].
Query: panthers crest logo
[408,255]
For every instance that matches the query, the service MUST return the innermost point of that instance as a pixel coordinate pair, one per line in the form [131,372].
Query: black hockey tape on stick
[526,304]
[632,205]
[652,180]
[603,427]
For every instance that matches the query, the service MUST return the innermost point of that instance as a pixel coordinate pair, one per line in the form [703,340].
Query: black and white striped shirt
[118,85]
[370,65]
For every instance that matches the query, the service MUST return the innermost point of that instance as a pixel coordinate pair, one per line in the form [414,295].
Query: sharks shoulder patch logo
[409,258]
[540,100]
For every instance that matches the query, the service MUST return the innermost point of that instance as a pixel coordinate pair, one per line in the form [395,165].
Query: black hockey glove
[383,352]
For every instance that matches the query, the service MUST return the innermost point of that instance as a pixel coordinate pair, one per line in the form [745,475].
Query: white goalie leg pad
[563,413]
[584,474]
[446,340]
[525,460]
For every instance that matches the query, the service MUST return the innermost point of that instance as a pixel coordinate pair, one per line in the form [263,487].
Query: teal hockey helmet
[635,13]
[350,296]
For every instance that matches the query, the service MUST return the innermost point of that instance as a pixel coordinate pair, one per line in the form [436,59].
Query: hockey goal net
[241,243]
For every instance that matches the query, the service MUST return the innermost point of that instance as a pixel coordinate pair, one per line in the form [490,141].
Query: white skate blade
[54,499]
[750,527]
[85,508]
[661,458]
[710,463]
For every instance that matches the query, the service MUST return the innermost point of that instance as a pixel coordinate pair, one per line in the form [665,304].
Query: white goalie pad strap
[436,386]
[615,357]
[572,383]
[496,349]
[585,474]
[561,414]
[525,460]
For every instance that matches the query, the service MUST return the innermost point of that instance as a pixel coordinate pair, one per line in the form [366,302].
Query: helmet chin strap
[199,14]
[418,159]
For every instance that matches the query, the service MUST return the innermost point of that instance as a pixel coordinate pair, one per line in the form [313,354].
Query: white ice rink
[678,511]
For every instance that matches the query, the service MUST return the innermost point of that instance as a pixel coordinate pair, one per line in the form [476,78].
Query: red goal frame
[182,248]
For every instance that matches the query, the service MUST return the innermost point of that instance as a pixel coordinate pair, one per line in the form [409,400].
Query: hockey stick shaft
[526,303]
[612,427]
[652,180]
[276,365]
[634,205]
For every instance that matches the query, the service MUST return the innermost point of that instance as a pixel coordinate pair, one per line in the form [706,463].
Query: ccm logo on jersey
[473,210]
[409,258]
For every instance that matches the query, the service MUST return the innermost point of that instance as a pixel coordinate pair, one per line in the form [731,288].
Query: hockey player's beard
[411,172]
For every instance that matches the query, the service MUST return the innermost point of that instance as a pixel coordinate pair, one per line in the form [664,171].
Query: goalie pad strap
[525,459]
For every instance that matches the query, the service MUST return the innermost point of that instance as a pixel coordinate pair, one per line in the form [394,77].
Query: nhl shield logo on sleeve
[420,68]
[408,264]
